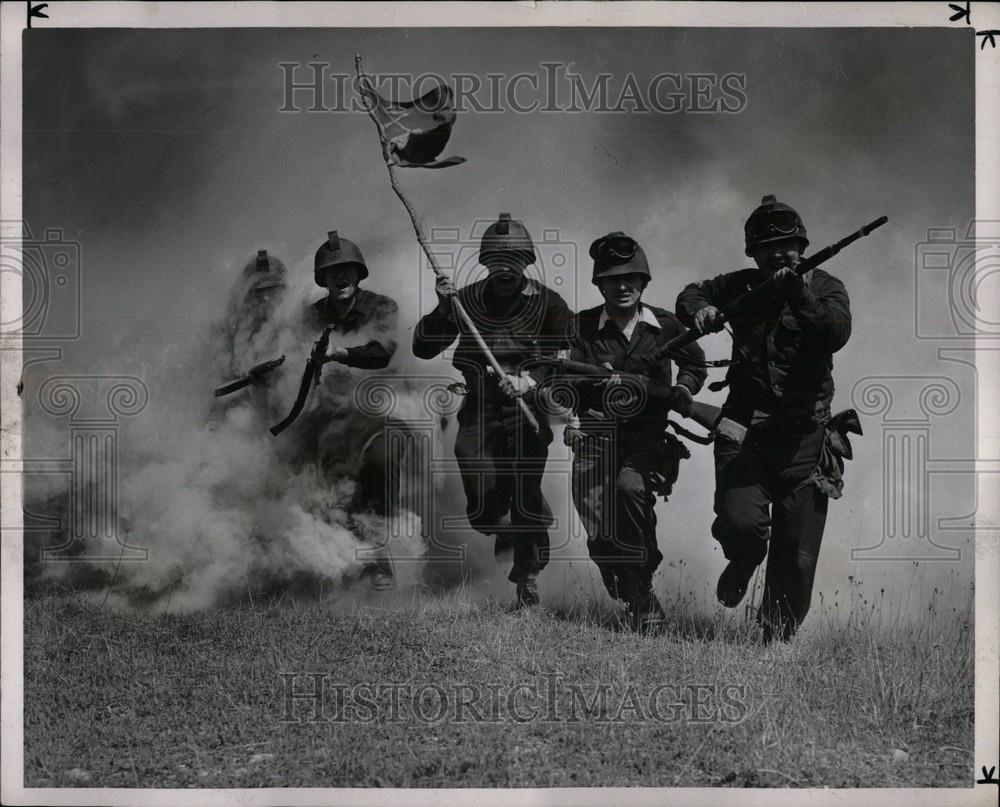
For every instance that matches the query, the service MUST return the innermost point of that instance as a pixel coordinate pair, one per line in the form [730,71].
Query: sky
[164,155]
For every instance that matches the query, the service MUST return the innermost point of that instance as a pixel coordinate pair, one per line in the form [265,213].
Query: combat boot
[733,582]
[776,627]
[527,591]
[646,615]
[379,574]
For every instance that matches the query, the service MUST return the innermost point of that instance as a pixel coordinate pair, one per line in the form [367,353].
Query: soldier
[246,343]
[267,285]
[500,457]
[253,302]
[626,446]
[346,439]
[781,386]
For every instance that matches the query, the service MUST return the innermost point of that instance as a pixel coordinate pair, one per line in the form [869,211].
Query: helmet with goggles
[618,254]
[773,221]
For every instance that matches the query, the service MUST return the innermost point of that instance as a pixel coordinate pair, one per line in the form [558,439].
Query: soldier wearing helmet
[339,267]
[259,291]
[622,456]
[500,457]
[780,390]
[246,339]
[343,440]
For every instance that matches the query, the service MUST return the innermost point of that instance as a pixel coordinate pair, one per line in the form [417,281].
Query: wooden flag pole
[463,315]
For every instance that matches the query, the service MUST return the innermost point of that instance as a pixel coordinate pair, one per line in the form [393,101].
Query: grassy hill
[438,689]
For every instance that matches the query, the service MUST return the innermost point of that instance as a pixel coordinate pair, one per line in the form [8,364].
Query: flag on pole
[417,131]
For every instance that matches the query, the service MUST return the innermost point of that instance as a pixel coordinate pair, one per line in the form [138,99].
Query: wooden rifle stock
[704,414]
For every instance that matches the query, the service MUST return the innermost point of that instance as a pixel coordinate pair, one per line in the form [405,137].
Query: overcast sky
[163,153]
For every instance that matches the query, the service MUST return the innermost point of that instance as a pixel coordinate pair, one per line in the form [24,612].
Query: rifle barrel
[232,386]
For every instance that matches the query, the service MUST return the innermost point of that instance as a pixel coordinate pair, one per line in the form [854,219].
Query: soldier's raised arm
[436,330]
[822,307]
[377,352]
[691,372]
[698,303]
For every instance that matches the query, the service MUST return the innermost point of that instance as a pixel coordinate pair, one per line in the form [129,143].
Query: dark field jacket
[373,314]
[782,350]
[598,345]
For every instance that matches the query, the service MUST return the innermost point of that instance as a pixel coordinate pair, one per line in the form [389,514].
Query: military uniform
[343,440]
[781,387]
[623,457]
[500,457]
[632,450]
[245,338]
[350,442]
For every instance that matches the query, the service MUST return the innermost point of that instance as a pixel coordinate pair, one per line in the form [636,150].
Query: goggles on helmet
[619,246]
[774,222]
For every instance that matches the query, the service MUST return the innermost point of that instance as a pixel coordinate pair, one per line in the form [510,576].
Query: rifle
[736,305]
[257,372]
[310,377]
[705,415]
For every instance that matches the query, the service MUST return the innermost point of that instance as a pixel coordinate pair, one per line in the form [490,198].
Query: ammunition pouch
[671,452]
[829,473]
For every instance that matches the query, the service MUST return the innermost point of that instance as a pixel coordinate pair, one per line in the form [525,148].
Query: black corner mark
[989,780]
[36,11]
[966,14]
[961,12]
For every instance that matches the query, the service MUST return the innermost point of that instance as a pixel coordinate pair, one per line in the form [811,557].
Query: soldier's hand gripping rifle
[310,377]
[256,373]
[705,415]
[730,309]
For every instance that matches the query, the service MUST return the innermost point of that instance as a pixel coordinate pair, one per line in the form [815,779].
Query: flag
[417,130]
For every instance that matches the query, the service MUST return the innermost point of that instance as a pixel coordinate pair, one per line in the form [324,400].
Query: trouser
[619,517]
[501,461]
[761,495]
[372,452]
[374,456]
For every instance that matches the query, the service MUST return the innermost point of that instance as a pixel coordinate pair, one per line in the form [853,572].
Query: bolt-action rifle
[256,373]
[737,305]
[705,415]
[310,378]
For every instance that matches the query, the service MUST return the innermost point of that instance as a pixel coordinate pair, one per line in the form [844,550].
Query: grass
[124,698]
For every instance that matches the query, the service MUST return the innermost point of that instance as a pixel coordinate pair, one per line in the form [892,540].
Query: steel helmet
[773,221]
[618,254]
[337,251]
[507,235]
[264,272]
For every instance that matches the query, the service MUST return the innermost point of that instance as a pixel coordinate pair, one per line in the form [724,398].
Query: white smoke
[224,508]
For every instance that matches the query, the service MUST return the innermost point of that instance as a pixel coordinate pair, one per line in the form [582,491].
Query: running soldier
[781,387]
[500,457]
[623,456]
[248,338]
[343,440]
